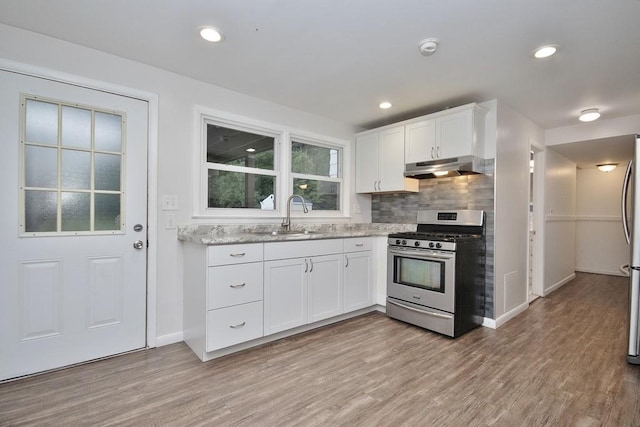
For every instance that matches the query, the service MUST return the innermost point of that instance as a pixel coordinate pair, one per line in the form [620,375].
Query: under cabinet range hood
[463,165]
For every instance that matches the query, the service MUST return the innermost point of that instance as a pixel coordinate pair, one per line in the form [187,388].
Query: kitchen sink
[284,233]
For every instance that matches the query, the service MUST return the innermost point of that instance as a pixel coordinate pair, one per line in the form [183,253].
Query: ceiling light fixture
[589,115]
[545,51]
[250,150]
[211,34]
[607,167]
[385,105]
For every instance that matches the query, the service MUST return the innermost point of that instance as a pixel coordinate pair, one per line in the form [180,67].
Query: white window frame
[282,168]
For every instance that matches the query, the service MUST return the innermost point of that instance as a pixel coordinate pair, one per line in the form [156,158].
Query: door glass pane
[107,212]
[319,195]
[41,211]
[41,123]
[314,160]
[241,190]
[76,170]
[108,132]
[76,211]
[420,273]
[76,127]
[41,166]
[107,172]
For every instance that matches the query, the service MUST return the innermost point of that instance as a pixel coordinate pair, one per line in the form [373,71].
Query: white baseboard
[598,271]
[489,323]
[163,340]
[559,284]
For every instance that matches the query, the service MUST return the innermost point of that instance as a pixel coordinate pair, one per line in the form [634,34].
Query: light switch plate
[169,203]
[170,221]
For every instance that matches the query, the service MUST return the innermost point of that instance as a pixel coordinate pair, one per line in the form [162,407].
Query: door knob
[138,244]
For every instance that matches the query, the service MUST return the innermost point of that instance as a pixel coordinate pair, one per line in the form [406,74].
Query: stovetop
[435,237]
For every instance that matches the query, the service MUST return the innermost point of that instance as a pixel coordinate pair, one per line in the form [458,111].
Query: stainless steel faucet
[286,223]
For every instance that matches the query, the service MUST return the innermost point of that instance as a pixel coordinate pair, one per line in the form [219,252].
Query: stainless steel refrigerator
[631,225]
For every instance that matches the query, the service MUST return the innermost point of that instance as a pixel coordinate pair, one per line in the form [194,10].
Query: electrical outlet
[169,203]
[170,222]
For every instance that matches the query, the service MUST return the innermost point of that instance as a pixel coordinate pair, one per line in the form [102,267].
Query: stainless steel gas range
[435,276]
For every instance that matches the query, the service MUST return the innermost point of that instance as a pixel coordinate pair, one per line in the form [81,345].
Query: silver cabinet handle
[241,285]
[346,261]
[359,245]
[238,255]
[239,325]
[306,265]
[438,152]
[432,156]
[311,262]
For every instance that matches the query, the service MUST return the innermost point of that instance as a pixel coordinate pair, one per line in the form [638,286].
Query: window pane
[76,211]
[239,148]
[41,124]
[107,172]
[108,132]
[41,166]
[76,170]
[41,211]
[314,160]
[107,215]
[240,190]
[76,127]
[320,195]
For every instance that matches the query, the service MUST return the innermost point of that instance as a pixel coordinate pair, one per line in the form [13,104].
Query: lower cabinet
[238,293]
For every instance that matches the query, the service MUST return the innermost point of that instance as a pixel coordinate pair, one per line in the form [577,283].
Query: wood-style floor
[562,362]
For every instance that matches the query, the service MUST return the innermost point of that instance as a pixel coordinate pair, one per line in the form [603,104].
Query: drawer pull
[240,285]
[239,325]
[238,255]
[359,245]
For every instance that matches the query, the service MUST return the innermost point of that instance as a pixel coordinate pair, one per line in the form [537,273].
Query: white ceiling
[340,58]
[588,154]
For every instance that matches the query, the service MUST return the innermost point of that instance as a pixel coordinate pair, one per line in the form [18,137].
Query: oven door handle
[421,254]
[430,313]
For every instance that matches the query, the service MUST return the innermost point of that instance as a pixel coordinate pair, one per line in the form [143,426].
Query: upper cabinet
[380,162]
[450,133]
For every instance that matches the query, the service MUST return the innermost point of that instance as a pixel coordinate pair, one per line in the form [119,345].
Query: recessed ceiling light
[385,105]
[545,51]
[211,34]
[589,115]
[250,150]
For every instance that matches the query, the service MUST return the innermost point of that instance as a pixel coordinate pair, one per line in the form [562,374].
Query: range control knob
[438,245]
[417,243]
[430,244]
[397,241]
[404,242]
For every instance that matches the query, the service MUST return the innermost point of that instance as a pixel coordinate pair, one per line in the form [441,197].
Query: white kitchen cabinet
[380,162]
[357,274]
[452,133]
[223,296]
[300,290]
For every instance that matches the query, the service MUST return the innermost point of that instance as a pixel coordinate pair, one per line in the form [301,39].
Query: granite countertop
[231,234]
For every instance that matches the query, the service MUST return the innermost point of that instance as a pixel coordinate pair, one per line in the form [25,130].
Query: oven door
[422,276]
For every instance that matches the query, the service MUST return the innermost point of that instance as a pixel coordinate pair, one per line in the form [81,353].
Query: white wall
[177,97]
[514,132]
[600,244]
[559,226]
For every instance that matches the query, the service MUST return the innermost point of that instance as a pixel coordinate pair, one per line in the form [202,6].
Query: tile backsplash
[460,192]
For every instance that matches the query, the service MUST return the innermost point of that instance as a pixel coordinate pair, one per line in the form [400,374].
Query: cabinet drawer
[233,325]
[234,254]
[357,244]
[234,284]
[306,248]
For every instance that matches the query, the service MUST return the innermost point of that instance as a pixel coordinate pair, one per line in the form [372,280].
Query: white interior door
[73,199]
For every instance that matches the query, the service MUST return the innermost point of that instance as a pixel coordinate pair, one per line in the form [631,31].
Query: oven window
[419,273]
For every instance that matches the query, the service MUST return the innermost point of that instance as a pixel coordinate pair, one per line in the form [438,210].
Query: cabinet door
[420,141]
[391,159]
[367,163]
[455,134]
[358,292]
[325,287]
[285,294]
